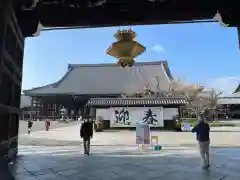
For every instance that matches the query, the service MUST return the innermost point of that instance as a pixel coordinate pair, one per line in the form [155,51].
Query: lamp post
[125,49]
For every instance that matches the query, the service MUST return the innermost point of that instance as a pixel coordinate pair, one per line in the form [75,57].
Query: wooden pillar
[41,110]
[31,109]
[86,112]
[11,59]
[3,28]
[53,112]
[92,112]
[4,116]
[180,111]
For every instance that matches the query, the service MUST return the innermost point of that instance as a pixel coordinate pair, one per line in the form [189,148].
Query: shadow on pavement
[212,146]
[5,173]
[59,143]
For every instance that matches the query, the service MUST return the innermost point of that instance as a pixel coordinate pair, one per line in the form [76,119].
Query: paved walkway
[222,136]
[114,157]
[113,163]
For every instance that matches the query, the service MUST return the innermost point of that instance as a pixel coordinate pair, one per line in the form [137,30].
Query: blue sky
[202,53]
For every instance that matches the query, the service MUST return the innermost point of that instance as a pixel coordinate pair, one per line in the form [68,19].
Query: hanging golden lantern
[125,49]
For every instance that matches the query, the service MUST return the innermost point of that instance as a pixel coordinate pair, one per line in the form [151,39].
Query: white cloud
[225,84]
[158,48]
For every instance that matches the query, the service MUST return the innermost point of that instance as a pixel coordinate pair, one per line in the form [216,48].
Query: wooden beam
[112,15]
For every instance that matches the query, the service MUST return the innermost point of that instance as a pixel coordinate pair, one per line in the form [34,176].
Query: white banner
[128,117]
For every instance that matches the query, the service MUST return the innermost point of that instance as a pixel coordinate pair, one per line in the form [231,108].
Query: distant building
[231,103]
[119,95]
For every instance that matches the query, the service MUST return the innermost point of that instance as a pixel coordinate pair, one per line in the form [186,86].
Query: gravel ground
[69,135]
[40,125]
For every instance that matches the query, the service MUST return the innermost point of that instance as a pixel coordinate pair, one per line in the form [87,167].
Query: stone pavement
[123,162]
[58,154]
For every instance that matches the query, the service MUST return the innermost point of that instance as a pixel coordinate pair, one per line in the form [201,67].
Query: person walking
[86,133]
[202,130]
[47,125]
[30,123]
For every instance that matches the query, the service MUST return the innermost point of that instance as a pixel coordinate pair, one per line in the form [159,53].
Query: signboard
[128,117]
[186,127]
[142,134]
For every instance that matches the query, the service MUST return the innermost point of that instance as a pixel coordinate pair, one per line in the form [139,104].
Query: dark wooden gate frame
[11,61]
[12,49]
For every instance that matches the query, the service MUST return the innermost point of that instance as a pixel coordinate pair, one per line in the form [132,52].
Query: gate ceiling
[101,13]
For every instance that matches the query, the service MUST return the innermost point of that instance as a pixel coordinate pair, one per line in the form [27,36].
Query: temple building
[231,104]
[122,96]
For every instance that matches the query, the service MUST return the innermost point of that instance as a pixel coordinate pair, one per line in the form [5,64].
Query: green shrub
[212,124]
[221,125]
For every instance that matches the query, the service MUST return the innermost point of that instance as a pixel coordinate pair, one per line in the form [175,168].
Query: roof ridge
[237,89]
[143,98]
[114,64]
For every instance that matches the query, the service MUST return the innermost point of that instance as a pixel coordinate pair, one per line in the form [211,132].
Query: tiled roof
[100,79]
[237,88]
[135,101]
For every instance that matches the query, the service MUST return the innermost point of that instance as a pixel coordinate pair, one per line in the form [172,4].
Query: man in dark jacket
[30,123]
[86,132]
[202,130]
